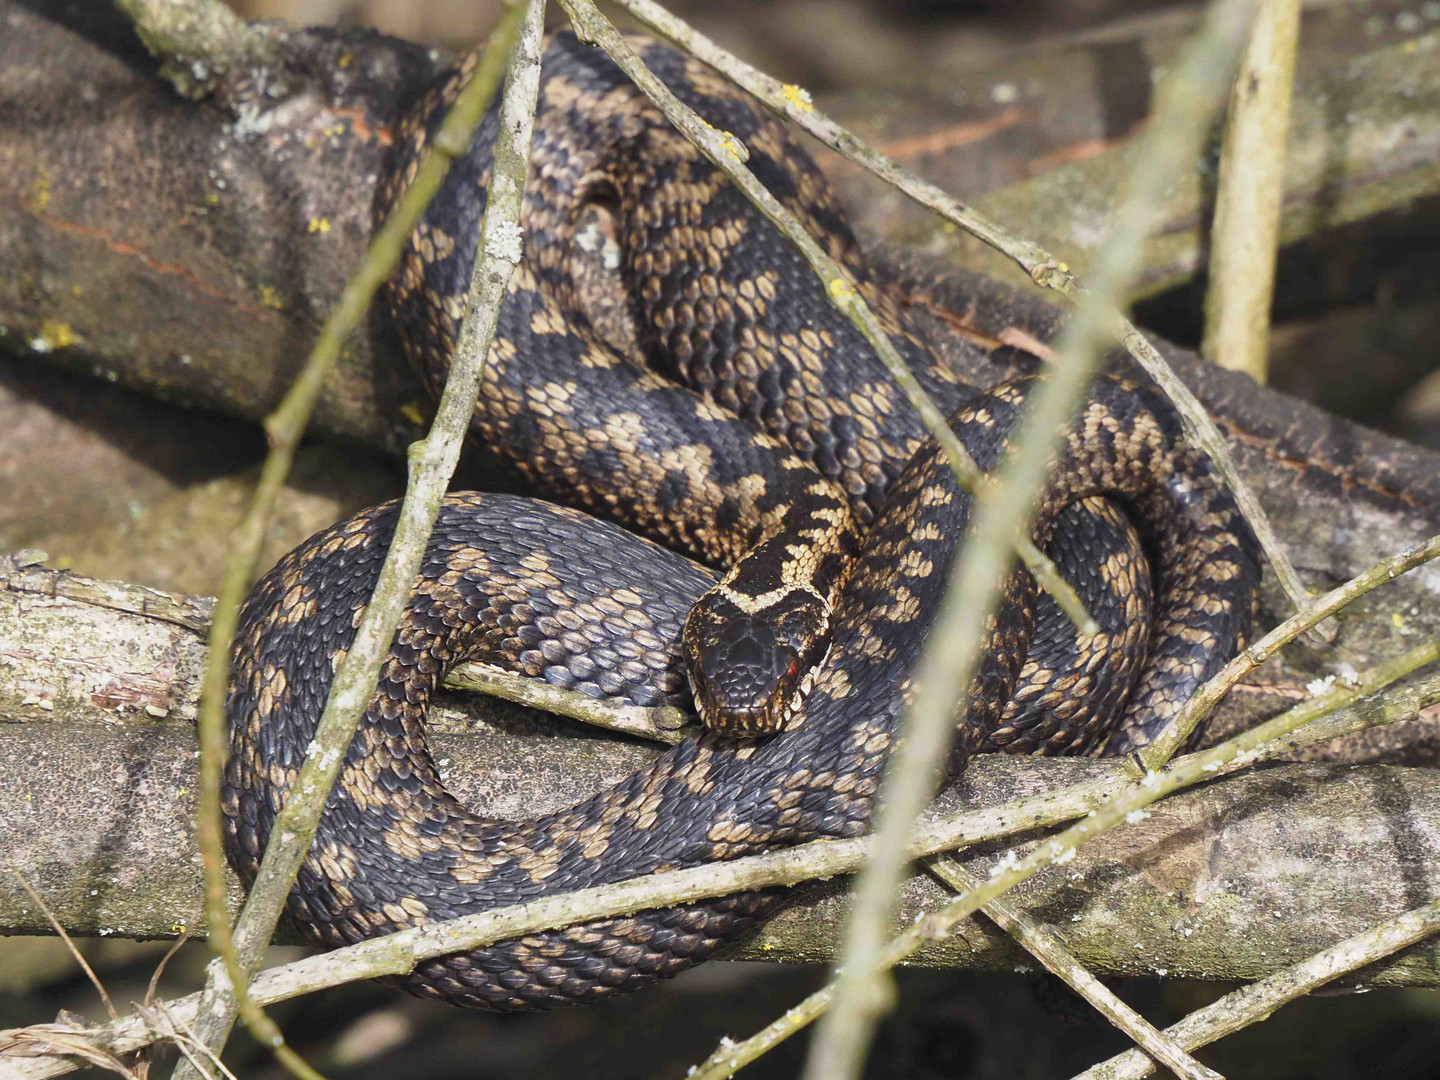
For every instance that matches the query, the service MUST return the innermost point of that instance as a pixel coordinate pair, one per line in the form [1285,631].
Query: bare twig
[1310,614]
[661,723]
[1207,436]
[74,952]
[728,155]
[1056,807]
[1044,269]
[22,572]
[1248,195]
[55,1049]
[431,465]
[1186,101]
[1258,1000]
[143,1069]
[1047,946]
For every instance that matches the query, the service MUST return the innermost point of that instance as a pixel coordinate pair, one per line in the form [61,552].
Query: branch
[398,953]
[264,280]
[1247,200]
[824,858]
[200,43]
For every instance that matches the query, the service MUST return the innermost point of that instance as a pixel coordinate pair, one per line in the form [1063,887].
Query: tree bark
[1225,882]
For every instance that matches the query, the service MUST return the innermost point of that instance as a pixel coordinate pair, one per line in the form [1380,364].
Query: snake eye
[793,669]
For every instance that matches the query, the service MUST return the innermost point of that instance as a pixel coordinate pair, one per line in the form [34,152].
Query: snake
[711,437]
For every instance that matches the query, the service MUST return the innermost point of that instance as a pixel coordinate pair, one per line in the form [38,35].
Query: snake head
[751,661]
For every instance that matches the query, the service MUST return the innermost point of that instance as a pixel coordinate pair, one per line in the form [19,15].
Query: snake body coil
[787,442]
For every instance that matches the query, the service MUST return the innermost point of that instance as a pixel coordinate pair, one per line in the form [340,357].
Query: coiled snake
[665,358]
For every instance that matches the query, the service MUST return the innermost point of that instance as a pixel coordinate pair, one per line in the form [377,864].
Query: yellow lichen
[54,335]
[40,192]
[798,97]
[841,291]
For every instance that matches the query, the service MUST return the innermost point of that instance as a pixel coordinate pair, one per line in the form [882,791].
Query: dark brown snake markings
[793,438]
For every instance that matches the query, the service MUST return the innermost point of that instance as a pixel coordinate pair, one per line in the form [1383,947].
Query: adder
[665,358]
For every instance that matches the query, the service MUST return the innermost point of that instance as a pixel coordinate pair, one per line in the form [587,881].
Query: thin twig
[795,104]
[1257,1001]
[191,1048]
[155,975]
[1065,804]
[1173,736]
[729,155]
[431,465]
[1012,870]
[1047,946]
[1248,193]
[661,723]
[1185,103]
[143,1068]
[1207,436]
[395,955]
[22,572]
[74,952]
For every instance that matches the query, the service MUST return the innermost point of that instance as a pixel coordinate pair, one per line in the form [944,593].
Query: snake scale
[665,359]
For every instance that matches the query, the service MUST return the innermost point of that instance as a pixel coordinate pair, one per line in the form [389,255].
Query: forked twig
[1046,945]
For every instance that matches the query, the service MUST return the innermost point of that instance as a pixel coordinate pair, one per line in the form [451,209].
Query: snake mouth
[751,680]
[771,719]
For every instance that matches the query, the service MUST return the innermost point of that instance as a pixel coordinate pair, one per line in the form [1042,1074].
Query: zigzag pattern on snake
[787,438]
